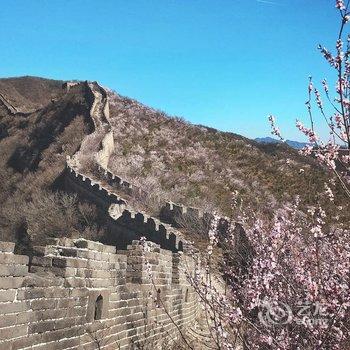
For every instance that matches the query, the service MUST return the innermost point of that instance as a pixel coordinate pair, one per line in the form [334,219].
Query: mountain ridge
[173,160]
[294,144]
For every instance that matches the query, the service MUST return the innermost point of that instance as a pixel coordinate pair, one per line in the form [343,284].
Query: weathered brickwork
[79,294]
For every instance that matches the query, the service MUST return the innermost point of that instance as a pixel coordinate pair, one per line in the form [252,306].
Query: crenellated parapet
[152,228]
[69,84]
[79,292]
[117,182]
[89,188]
[172,211]
[127,223]
[179,215]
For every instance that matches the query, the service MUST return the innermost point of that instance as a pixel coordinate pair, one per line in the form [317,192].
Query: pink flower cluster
[340,5]
[274,129]
[313,138]
[297,266]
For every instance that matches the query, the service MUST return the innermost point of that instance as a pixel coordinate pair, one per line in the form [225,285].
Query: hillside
[42,122]
[33,149]
[201,166]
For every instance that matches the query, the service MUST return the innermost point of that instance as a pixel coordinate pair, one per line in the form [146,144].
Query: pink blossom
[340,5]
[274,129]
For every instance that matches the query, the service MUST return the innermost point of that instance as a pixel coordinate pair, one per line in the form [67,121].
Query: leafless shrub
[143,201]
[50,215]
[193,224]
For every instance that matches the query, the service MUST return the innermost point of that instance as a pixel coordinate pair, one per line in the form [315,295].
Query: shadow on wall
[130,225]
[125,229]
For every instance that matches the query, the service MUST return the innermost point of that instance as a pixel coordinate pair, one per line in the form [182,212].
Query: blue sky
[222,63]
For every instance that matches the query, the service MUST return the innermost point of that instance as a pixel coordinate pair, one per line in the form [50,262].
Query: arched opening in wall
[98,307]
[181,248]
[158,302]
[186,295]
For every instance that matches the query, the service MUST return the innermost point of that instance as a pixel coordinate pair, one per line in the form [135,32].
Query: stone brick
[41,327]
[7,295]
[69,262]
[46,250]
[76,311]
[8,320]
[8,308]
[58,271]
[35,293]
[100,265]
[7,247]
[82,292]
[89,273]
[62,334]
[13,332]
[109,249]
[98,283]
[13,270]
[25,317]
[68,343]
[66,303]
[114,258]
[75,282]
[66,322]
[70,252]
[57,310]
[47,280]
[38,304]
[82,243]
[25,342]
[42,261]
[64,272]
[86,254]
[13,259]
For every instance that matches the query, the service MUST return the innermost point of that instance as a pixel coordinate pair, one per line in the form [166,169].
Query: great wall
[80,294]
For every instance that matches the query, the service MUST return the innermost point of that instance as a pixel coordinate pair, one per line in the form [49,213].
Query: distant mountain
[291,143]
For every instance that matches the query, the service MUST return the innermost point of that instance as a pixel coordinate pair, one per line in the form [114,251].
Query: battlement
[77,292]
[69,84]
[173,212]
[118,182]
[90,189]
[127,223]
[145,225]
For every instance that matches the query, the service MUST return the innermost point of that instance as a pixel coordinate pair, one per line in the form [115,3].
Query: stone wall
[179,215]
[172,211]
[89,189]
[130,224]
[80,294]
[69,84]
[125,223]
[117,182]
